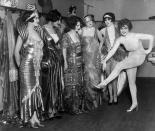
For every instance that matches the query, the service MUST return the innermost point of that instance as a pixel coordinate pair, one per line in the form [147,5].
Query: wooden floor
[109,118]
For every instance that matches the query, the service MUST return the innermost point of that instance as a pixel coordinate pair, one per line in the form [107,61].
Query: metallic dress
[92,70]
[52,76]
[73,76]
[29,72]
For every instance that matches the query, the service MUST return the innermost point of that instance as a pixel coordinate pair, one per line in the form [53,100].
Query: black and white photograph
[77,65]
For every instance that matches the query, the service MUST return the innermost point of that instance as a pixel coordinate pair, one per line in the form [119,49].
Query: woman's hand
[147,52]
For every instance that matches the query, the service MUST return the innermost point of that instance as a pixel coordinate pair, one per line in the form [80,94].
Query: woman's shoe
[40,125]
[116,102]
[33,125]
[133,108]
[110,102]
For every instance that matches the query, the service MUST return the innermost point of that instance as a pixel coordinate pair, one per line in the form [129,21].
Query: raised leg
[130,62]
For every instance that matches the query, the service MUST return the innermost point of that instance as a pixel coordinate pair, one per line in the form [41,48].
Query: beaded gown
[92,70]
[29,72]
[73,75]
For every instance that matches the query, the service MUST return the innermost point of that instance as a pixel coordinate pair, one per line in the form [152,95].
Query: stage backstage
[137,54]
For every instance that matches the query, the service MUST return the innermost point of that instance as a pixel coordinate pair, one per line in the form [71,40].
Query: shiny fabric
[92,71]
[52,76]
[4,67]
[73,76]
[29,72]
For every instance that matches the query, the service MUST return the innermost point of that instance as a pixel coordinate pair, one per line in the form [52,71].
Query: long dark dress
[92,70]
[29,72]
[52,76]
[73,76]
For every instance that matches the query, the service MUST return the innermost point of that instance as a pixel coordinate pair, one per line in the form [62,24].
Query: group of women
[61,69]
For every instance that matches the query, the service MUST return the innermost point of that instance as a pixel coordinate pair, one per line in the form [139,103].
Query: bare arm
[147,37]
[17,50]
[113,50]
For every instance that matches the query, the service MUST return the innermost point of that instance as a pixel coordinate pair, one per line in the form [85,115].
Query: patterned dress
[29,72]
[92,70]
[73,76]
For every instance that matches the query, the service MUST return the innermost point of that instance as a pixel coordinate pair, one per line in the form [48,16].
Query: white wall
[132,9]
[63,5]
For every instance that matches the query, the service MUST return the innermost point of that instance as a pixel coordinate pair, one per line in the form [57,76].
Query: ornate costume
[92,70]
[52,75]
[29,73]
[73,75]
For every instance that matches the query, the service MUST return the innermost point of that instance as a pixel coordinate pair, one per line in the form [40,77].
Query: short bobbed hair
[124,22]
[53,15]
[72,21]
[91,16]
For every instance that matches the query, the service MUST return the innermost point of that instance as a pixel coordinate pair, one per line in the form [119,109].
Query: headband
[107,16]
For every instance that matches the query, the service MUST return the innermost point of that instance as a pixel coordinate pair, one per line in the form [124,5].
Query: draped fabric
[92,70]
[12,89]
[4,64]
[73,76]
[52,76]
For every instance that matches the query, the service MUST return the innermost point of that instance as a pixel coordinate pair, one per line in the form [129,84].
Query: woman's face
[57,23]
[89,22]
[36,19]
[78,26]
[124,30]
[108,21]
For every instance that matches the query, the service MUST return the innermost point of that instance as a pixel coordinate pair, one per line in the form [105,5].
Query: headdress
[31,7]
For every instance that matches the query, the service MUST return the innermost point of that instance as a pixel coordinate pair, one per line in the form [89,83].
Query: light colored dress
[92,70]
[29,73]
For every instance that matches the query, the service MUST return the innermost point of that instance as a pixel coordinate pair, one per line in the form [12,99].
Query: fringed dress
[29,72]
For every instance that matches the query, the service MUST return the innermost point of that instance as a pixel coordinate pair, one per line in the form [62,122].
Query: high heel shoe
[110,102]
[134,108]
[33,125]
[40,125]
[115,102]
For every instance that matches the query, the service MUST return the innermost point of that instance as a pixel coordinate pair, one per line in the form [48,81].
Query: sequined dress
[73,75]
[52,76]
[29,72]
[92,70]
